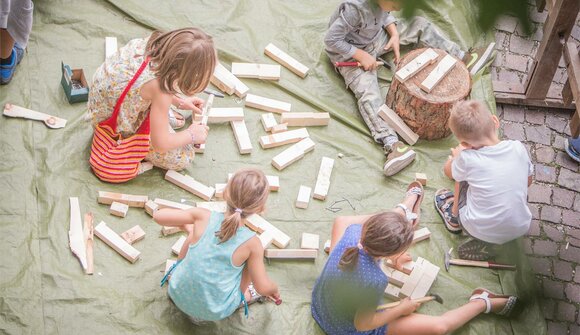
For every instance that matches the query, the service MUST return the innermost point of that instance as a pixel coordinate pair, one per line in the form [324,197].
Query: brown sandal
[511,307]
[413,215]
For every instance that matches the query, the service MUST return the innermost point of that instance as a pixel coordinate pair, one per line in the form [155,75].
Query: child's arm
[193,104]
[257,270]
[454,153]
[393,41]
[372,320]
[178,217]
[340,225]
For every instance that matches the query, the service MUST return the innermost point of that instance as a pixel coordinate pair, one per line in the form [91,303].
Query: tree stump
[427,114]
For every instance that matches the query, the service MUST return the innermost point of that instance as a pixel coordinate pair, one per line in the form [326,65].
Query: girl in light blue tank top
[209,282]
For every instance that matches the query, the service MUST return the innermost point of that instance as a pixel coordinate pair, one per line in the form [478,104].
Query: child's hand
[402,259]
[193,104]
[199,133]
[407,306]
[367,61]
[456,151]
[393,44]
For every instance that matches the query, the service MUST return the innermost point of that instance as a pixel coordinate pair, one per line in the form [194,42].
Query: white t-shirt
[496,209]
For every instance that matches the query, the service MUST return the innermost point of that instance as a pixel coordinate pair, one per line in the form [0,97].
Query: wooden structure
[427,113]
[561,19]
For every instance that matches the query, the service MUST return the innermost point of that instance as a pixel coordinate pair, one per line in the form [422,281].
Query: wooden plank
[287,137]
[151,207]
[166,230]
[572,58]
[76,236]
[119,209]
[419,63]
[17,111]
[219,190]
[303,198]
[256,71]
[260,225]
[115,241]
[414,278]
[162,203]
[268,121]
[144,167]
[107,198]
[279,128]
[220,115]
[422,178]
[133,235]
[513,94]
[567,96]
[483,59]
[323,179]
[430,272]
[168,264]
[89,231]
[291,253]
[395,122]
[396,277]
[438,73]
[406,268]
[176,248]
[110,46]
[310,241]
[327,246]
[421,234]
[267,104]
[224,80]
[561,19]
[242,136]
[216,206]
[292,154]
[266,239]
[189,184]
[392,291]
[305,119]
[286,60]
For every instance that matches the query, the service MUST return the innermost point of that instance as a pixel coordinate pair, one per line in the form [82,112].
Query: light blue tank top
[205,284]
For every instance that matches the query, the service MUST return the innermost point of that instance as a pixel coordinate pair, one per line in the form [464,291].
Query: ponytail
[349,259]
[229,226]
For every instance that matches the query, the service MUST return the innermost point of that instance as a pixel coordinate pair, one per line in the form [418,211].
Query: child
[347,293]
[364,30]
[220,257]
[491,178]
[181,61]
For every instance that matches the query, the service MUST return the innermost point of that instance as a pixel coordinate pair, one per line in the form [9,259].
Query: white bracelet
[192,135]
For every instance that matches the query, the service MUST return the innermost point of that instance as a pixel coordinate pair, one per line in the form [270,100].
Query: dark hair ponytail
[349,259]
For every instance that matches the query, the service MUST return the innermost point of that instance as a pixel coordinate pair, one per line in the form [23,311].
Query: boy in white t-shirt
[491,179]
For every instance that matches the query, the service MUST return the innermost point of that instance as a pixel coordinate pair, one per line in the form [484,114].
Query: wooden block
[166,231]
[162,203]
[89,231]
[220,115]
[49,120]
[219,190]
[176,248]
[421,234]
[425,283]
[267,104]
[110,46]
[287,137]
[305,119]
[422,178]
[119,209]
[407,268]
[323,179]
[419,63]
[144,167]
[410,284]
[483,59]
[107,198]
[168,264]
[266,239]
[133,235]
[396,277]
[327,246]
[395,122]
[224,80]
[273,182]
[242,136]
[310,241]
[279,128]
[115,241]
[286,60]
[151,207]
[268,121]
[189,184]
[76,235]
[256,71]
[216,206]
[303,198]
[392,291]
[438,73]
[292,154]
[291,253]
[200,149]
[260,225]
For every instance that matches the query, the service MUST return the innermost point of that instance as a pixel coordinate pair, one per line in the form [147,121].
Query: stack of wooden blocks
[414,281]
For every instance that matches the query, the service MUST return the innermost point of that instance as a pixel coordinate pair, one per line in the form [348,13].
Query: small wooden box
[74,84]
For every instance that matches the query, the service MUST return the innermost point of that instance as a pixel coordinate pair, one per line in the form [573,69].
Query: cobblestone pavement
[553,242]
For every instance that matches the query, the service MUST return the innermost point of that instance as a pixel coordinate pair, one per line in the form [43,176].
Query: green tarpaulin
[42,287]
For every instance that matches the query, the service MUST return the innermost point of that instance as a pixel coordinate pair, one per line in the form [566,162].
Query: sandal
[414,188]
[476,250]
[176,119]
[444,204]
[511,307]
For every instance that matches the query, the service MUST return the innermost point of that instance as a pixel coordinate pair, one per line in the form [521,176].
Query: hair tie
[359,245]
[238,210]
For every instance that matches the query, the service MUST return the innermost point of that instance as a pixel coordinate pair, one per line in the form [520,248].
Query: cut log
[427,113]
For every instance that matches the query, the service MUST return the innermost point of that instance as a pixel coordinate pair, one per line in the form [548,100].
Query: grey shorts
[16,18]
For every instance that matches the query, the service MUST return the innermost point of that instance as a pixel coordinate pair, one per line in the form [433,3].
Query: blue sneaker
[572,146]
[7,71]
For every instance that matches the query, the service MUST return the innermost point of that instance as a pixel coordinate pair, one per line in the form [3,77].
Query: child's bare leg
[421,324]
[6,43]
[409,201]
[455,208]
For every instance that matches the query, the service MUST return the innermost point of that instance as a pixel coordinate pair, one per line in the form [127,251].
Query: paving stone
[573,292]
[500,39]
[562,197]
[539,193]
[574,329]
[560,77]
[571,218]
[554,233]
[534,116]
[571,254]
[553,289]
[563,270]
[509,76]
[527,245]
[557,328]
[551,213]
[573,241]
[577,274]
[541,266]
[535,210]
[545,173]
[575,232]
[567,129]
[556,123]
[514,131]
[566,312]
[577,203]
[506,23]
[545,154]
[545,248]
[534,228]
[564,160]
[535,16]
[569,180]
[548,308]
[514,113]
[538,134]
[517,62]
[555,90]
[520,45]
[559,142]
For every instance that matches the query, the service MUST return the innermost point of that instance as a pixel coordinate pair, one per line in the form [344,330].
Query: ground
[553,242]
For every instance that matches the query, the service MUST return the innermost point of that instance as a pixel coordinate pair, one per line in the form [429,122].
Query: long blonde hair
[245,194]
[182,59]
